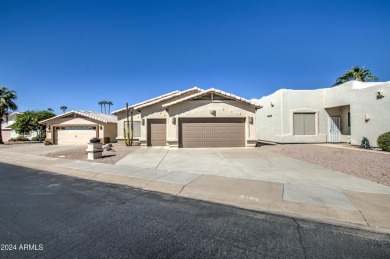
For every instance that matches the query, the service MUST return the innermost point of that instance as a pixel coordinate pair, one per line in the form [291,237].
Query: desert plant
[63,108]
[22,138]
[19,138]
[7,104]
[365,143]
[356,73]
[128,128]
[47,143]
[384,141]
[35,138]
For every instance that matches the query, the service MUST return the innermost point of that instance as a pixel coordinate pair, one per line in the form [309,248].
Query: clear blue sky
[76,53]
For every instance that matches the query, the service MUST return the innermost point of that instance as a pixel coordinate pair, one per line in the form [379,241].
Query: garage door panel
[213,132]
[74,137]
[157,132]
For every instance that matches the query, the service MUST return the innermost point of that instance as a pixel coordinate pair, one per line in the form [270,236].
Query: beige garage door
[213,132]
[74,135]
[157,132]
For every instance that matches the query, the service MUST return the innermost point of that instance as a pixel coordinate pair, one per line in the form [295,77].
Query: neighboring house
[193,118]
[345,113]
[6,127]
[7,130]
[78,127]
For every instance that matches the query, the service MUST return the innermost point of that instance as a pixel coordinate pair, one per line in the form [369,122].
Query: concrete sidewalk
[328,202]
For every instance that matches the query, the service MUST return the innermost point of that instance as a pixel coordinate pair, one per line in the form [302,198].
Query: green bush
[384,141]
[20,138]
[35,138]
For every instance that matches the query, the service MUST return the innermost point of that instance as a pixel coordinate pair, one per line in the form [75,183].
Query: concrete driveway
[247,163]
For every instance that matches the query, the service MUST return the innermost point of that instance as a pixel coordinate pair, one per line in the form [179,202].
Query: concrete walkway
[249,178]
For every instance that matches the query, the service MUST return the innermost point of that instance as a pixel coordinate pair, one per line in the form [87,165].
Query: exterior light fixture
[272,105]
[213,112]
[251,120]
[143,122]
[174,120]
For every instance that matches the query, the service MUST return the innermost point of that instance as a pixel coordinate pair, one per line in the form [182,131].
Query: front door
[334,133]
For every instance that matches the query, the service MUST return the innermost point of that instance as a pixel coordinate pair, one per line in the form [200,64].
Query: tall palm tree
[104,104]
[101,106]
[63,108]
[109,103]
[7,104]
[356,73]
[50,110]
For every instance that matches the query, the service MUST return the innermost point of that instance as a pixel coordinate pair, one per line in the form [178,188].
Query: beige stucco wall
[191,109]
[202,108]
[153,111]
[73,121]
[122,119]
[110,130]
[104,129]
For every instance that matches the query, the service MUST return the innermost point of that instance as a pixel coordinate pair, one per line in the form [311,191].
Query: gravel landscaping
[367,165]
[110,157]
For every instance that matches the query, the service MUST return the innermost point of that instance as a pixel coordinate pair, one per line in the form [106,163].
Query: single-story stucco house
[78,127]
[345,113]
[192,118]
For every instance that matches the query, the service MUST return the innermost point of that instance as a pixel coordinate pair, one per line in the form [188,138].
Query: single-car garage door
[74,135]
[157,132]
[212,132]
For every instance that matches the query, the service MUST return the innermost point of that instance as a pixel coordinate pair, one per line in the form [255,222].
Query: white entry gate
[334,133]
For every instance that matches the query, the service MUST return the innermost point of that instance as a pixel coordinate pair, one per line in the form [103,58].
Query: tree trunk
[1,134]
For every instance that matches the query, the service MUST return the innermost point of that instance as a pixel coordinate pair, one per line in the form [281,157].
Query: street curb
[176,190]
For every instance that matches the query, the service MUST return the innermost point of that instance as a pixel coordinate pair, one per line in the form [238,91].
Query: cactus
[128,128]
[365,143]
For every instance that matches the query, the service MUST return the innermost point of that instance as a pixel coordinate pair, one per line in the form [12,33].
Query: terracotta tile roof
[212,90]
[106,118]
[147,101]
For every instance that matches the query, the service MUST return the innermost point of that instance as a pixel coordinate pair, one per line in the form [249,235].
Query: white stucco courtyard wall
[369,115]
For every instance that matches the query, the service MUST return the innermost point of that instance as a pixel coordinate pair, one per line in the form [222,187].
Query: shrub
[47,143]
[384,141]
[20,138]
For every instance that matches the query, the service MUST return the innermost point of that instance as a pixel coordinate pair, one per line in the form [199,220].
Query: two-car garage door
[212,132]
[74,135]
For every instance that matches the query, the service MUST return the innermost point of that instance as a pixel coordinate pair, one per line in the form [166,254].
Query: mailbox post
[94,149]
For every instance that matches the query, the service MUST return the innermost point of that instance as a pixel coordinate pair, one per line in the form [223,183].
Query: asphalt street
[53,216]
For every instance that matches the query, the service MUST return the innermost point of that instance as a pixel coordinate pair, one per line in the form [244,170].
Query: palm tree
[356,73]
[63,108]
[101,106]
[50,110]
[109,103]
[7,104]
